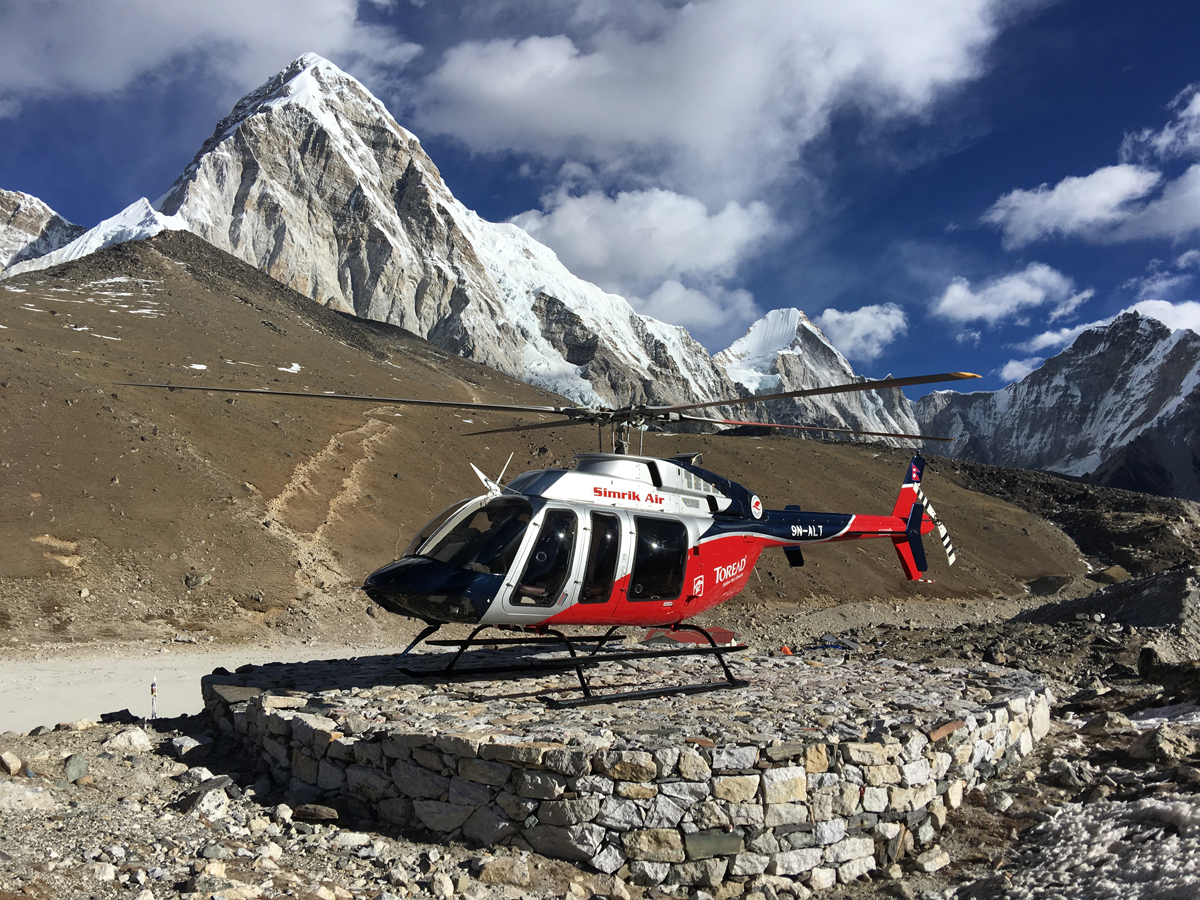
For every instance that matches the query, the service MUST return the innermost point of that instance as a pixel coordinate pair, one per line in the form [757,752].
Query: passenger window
[549,561]
[659,560]
[601,568]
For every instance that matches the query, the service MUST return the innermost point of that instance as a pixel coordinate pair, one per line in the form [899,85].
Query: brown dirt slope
[1143,533]
[116,495]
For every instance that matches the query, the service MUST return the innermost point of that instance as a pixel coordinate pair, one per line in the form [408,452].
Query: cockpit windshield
[483,538]
[434,525]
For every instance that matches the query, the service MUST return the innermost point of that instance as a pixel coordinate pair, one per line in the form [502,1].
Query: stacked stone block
[660,806]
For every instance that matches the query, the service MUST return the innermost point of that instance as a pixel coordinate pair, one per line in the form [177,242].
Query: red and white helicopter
[621,540]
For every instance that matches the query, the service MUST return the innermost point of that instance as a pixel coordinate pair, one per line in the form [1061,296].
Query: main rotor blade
[915,437]
[397,401]
[881,384]
[569,423]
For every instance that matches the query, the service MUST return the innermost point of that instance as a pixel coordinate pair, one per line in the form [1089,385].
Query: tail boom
[791,528]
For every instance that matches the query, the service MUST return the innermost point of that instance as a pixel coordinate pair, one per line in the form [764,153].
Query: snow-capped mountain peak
[316,85]
[1120,406]
[750,359]
[135,222]
[313,181]
[786,351]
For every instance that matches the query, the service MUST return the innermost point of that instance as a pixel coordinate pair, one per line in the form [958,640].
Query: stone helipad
[817,772]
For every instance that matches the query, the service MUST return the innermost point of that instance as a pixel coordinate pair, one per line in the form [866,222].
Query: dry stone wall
[815,774]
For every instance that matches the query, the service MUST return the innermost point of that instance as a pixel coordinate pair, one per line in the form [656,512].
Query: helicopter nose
[432,590]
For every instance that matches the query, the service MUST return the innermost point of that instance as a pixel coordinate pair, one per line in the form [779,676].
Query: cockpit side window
[601,569]
[549,561]
[659,560]
[486,539]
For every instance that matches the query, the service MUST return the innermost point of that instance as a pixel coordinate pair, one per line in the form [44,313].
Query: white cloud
[671,122]
[711,316]
[969,336]
[862,334]
[1158,284]
[1188,260]
[1180,137]
[1057,338]
[634,241]
[1173,315]
[1174,214]
[1016,369]
[1035,286]
[1075,206]
[52,50]
[716,99]
[1119,202]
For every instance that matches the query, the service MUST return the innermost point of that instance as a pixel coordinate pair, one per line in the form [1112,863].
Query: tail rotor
[914,508]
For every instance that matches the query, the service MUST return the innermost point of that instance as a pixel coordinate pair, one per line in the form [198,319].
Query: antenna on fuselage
[500,477]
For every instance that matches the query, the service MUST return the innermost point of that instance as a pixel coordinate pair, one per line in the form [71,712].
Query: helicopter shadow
[483,673]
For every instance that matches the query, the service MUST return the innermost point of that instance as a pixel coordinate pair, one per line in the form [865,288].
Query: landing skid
[578,662]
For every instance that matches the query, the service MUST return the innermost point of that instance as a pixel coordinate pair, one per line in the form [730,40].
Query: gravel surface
[1084,789]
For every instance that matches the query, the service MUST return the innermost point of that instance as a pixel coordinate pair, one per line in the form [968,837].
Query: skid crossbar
[578,663]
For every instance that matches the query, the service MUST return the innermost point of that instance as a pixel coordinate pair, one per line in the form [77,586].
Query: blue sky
[943,184]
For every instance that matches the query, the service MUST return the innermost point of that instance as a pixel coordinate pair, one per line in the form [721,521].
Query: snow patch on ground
[1182,714]
[1110,851]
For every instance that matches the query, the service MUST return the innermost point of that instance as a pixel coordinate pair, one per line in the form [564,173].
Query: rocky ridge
[1142,533]
[785,351]
[1120,407]
[136,222]
[29,228]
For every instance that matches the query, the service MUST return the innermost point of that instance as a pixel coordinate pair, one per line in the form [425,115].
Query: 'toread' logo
[755,506]
[728,573]
[698,586]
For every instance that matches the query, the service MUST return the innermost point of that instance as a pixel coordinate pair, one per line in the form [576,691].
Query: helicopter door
[660,560]
[541,588]
[600,570]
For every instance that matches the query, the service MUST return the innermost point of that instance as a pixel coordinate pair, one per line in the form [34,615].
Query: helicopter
[622,540]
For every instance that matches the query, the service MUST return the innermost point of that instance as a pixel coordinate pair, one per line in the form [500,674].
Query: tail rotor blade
[943,532]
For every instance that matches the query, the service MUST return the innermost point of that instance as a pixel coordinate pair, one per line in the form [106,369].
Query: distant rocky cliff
[29,228]
[1120,406]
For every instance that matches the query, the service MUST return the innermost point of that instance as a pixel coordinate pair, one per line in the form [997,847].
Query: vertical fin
[910,487]
[493,489]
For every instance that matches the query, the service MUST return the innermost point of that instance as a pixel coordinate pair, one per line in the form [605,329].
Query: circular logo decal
[755,506]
